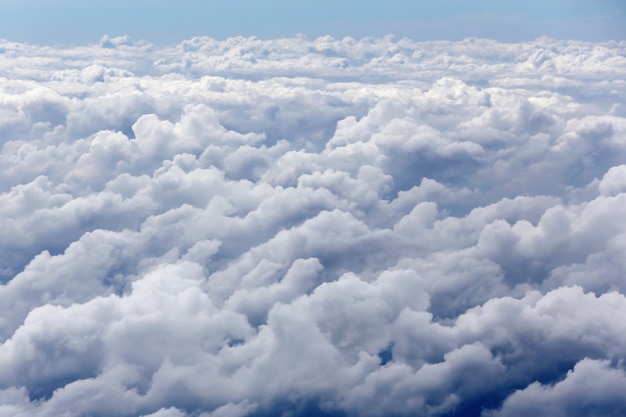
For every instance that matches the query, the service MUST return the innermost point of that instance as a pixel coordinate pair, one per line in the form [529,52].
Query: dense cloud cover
[313,227]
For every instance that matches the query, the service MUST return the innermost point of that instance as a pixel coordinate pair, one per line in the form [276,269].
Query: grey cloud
[592,388]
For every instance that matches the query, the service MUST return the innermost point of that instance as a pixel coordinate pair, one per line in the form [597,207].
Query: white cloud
[371,227]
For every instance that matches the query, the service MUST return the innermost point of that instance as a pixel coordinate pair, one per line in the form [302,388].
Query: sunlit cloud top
[313,227]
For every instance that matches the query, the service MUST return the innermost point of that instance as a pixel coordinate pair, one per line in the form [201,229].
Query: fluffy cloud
[590,383]
[312,227]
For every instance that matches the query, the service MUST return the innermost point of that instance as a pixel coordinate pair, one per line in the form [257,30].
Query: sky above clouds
[255,209]
[75,22]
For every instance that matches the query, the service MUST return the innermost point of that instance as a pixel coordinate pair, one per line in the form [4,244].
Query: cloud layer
[313,227]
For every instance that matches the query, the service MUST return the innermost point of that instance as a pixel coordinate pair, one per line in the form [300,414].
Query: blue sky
[162,22]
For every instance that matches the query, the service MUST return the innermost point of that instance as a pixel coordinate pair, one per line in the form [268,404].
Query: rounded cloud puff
[312,227]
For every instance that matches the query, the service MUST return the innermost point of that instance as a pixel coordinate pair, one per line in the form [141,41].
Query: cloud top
[312,227]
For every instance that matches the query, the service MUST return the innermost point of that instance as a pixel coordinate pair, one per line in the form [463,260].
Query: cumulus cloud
[312,227]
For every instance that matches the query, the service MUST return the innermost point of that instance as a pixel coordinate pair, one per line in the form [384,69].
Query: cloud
[331,226]
[591,388]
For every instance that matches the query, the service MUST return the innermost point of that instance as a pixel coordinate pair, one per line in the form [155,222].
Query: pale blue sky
[163,21]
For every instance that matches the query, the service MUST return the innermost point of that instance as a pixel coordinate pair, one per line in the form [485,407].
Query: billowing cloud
[312,227]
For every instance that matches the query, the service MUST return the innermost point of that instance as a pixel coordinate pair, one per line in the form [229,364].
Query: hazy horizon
[163,22]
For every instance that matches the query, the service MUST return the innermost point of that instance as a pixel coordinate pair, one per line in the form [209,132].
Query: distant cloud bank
[330,227]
